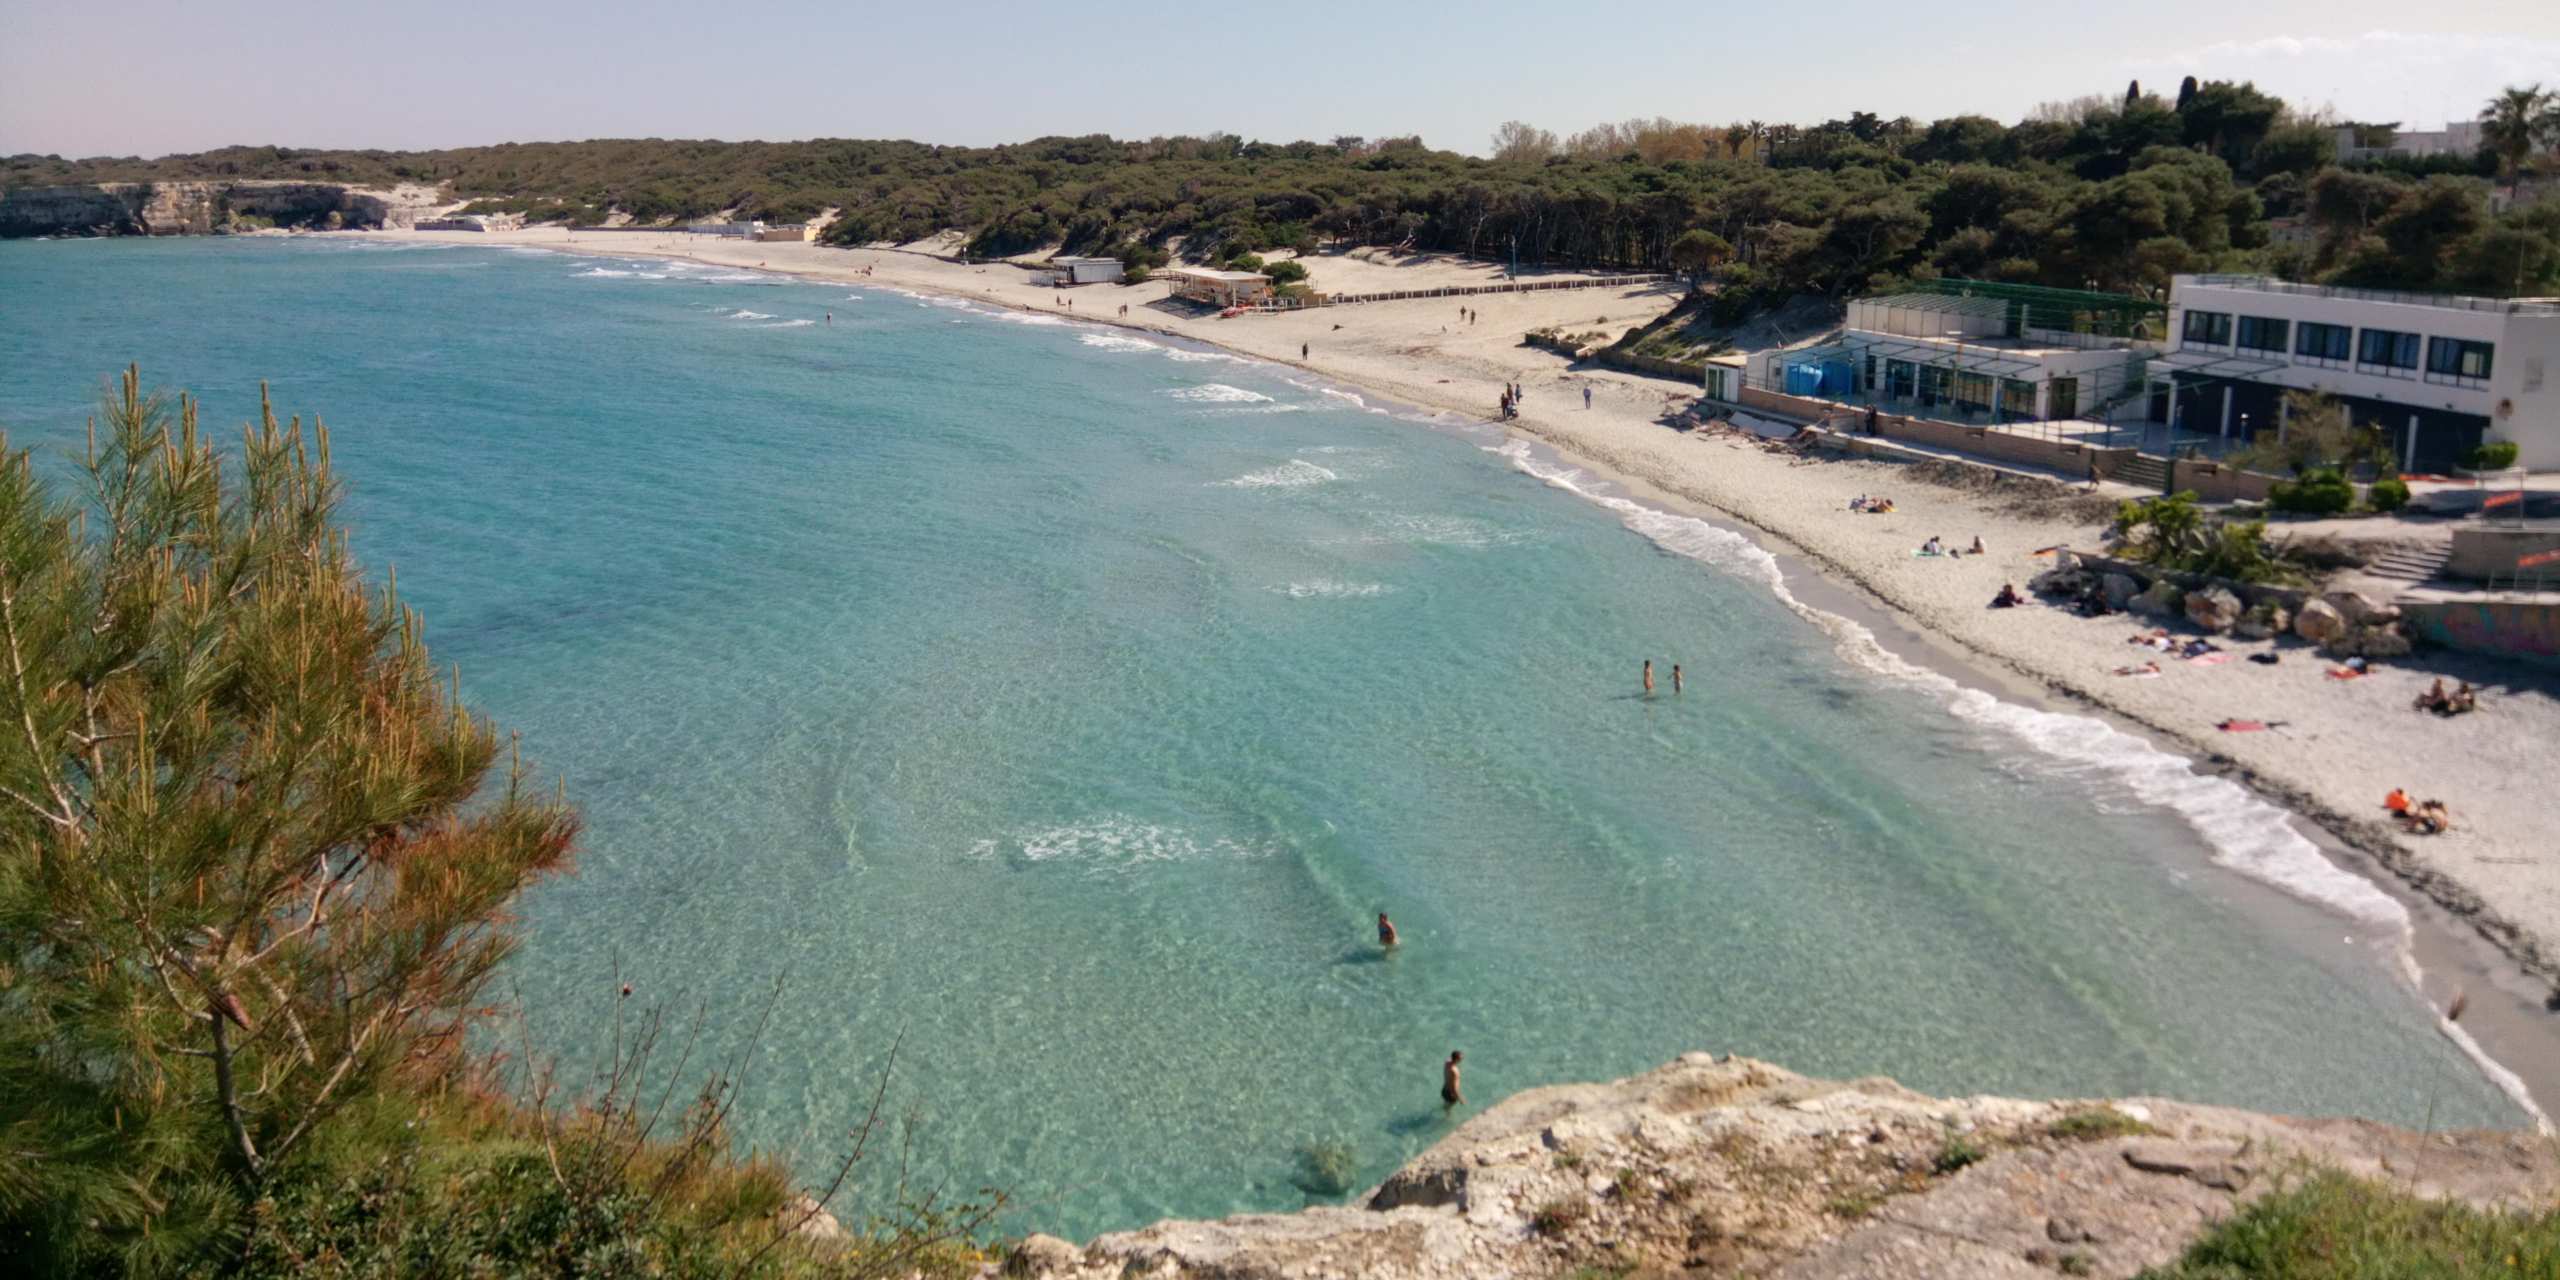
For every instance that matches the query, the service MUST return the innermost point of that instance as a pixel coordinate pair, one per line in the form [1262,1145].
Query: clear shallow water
[1069,703]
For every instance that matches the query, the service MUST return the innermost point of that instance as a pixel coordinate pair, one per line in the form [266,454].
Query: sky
[150,77]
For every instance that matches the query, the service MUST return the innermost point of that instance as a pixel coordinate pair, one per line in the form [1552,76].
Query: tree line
[2107,192]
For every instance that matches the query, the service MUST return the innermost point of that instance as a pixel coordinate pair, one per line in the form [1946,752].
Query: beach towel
[2247,726]
[2046,551]
[2345,673]
[2208,659]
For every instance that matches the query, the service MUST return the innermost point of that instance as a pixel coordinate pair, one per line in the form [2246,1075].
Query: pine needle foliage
[252,867]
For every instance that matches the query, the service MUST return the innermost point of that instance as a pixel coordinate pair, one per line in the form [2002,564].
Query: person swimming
[1648,676]
[1386,931]
[1449,1093]
[1675,677]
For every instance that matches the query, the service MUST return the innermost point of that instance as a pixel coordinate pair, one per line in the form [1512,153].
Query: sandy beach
[2341,745]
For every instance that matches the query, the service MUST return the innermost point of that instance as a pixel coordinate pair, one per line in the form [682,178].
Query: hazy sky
[153,76]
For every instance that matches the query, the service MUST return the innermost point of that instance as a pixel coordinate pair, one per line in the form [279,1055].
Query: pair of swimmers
[1676,682]
[1450,1094]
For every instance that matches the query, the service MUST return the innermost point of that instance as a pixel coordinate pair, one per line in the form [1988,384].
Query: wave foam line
[2244,833]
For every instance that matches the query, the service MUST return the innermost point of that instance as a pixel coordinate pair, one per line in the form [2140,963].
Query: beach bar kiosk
[1220,288]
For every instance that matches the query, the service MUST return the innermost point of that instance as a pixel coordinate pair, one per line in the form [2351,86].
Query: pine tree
[248,870]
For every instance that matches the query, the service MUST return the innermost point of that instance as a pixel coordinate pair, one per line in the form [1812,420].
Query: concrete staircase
[2144,471]
[2409,566]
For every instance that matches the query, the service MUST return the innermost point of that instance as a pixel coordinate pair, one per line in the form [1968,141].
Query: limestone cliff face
[1732,1167]
[206,208]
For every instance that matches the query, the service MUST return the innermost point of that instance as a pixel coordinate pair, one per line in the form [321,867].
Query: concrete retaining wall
[2505,628]
[2482,553]
[2068,457]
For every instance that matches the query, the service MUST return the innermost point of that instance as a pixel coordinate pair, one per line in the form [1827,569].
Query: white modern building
[2004,354]
[2439,373]
[2459,138]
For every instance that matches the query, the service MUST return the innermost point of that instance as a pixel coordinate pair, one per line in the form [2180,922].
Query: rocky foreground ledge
[1724,1166]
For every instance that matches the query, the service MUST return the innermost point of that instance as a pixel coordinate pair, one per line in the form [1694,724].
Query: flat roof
[1199,273]
[2452,301]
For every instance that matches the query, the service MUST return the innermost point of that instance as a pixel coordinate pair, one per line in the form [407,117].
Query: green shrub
[1135,275]
[2490,455]
[1285,272]
[2092,1124]
[2320,491]
[2344,1228]
[2388,494]
[1959,1153]
[1559,1215]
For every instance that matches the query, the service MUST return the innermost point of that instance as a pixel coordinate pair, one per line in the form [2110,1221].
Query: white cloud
[2419,78]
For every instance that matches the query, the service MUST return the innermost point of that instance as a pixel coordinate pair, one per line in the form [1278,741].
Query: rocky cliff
[206,208]
[1732,1167]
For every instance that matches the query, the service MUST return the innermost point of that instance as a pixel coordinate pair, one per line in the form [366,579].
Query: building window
[2455,360]
[1899,380]
[1973,391]
[2258,333]
[2320,343]
[2209,328]
[1715,385]
[2385,351]
[2017,399]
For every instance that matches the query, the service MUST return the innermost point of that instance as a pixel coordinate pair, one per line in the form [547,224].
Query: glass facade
[2258,333]
[2209,328]
[2323,341]
[2456,358]
[2386,349]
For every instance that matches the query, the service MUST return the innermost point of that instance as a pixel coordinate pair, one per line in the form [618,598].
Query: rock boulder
[2120,589]
[2319,622]
[2161,597]
[2264,621]
[2213,610]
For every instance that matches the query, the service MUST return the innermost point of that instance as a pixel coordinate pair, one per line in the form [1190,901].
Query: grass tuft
[2096,1124]
[2338,1227]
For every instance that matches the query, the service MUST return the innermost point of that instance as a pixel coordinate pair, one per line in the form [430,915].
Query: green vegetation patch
[2336,1227]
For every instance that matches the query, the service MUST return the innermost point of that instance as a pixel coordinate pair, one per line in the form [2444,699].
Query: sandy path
[2343,746]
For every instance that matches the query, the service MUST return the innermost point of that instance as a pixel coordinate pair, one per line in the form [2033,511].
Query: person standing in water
[1386,932]
[1675,678]
[831,317]
[1449,1094]
[1648,677]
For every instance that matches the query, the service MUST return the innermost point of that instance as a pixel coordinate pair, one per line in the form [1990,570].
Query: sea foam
[1296,473]
[1111,844]
[1218,393]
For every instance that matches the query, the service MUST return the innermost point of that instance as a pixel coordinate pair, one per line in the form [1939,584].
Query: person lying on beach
[2146,638]
[2429,818]
[2008,597]
[2199,647]
[1932,546]
[2151,668]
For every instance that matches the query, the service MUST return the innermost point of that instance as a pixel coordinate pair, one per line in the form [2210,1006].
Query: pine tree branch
[228,1092]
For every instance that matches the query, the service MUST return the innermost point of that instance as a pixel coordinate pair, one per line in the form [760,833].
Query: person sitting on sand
[1450,1096]
[2397,802]
[2008,597]
[1386,932]
[1976,548]
[2429,818]
[1932,546]
[2434,699]
[2464,699]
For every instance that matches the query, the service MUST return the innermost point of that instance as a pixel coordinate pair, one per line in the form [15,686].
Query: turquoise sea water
[1068,703]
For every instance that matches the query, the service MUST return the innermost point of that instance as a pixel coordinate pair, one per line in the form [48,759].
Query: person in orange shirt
[2397,801]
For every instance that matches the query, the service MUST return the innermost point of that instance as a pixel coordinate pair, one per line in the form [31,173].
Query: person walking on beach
[1586,397]
[1648,677]
[1675,679]
[1449,1094]
[1302,351]
[1386,932]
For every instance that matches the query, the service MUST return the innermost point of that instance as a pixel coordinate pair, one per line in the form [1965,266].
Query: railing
[2264,284]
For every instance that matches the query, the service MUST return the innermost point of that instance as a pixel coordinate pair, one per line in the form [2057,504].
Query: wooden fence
[1471,290]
